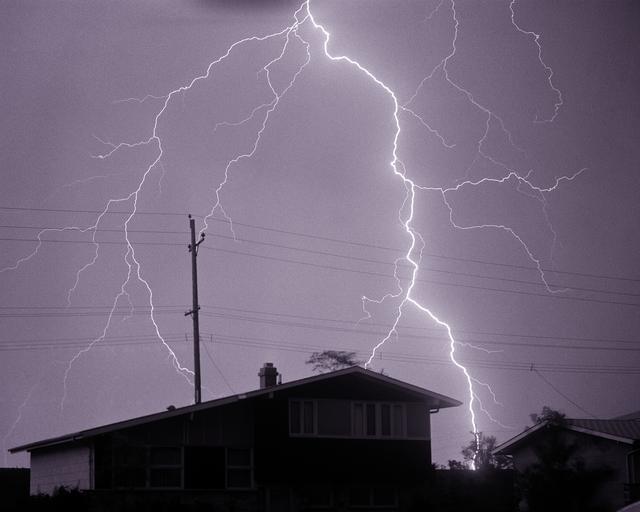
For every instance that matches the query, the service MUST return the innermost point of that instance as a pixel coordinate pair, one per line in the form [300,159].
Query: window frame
[151,466]
[371,492]
[393,408]
[301,420]
[228,466]
[307,493]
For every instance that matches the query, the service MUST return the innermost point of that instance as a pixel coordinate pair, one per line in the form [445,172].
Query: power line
[350,325]
[388,326]
[217,367]
[363,272]
[391,356]
[335,240]
[347,257]
[509,365]
[552,386]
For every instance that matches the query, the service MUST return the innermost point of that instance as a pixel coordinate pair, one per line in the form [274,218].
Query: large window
[239,468]
[373,497]
[316,497]
[217,467]
[366,419]
[165,467]
[376,419]
[302,417]
[129,466]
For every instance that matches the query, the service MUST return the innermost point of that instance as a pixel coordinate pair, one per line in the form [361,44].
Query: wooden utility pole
[193,249]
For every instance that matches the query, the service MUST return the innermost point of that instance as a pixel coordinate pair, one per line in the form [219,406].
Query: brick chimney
[268,375]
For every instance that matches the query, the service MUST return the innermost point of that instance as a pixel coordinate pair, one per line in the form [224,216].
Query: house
[610,447]
[348,438]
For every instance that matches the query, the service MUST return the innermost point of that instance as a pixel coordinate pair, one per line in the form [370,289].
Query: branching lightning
[15,423]
[403,296]
[536,39]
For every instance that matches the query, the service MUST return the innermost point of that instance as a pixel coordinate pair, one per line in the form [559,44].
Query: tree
[554,417]
[455,464]
[330,360]
[479,453]
[559,480]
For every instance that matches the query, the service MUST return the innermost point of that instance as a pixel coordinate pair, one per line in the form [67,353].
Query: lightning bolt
[269,108]
[536,39]
[134,269]
[414,252]
[412,258]
[398,169]
[15,423]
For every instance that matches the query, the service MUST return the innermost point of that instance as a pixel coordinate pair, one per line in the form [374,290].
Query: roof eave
[441,402]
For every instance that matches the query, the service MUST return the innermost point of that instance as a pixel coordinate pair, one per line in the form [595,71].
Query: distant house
[610,445]
[351,438]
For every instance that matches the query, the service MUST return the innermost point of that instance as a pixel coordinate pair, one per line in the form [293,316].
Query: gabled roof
[439,402]
[630,416]
[629,430]
[623,431]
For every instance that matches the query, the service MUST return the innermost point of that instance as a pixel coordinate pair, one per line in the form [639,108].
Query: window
[371,419]
[147,466]
[375,419]
[130,466]
[217,467]
[294,417]
[373,497]
[165,467]
[385,420]
[316,497]
[358,420]
[239,468]
[302,417]
[398,420]
[205,467]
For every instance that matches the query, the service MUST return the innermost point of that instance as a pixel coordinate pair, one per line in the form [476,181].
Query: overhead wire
[329,239]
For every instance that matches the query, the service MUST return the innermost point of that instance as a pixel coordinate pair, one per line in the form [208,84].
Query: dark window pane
[130,466]
[130,477]
[130,455]
[358,420]
[294,417]
[204,467]
[316,496]
[308,418]
[371,419]
[417,419]
[359,496]
[165,456]
[165,477]
[238,457]
[385,420]
[384,496]
[398,421]
[239,478]
[334,417]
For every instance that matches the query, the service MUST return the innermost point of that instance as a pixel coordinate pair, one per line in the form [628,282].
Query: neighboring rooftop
[617,429]
[623,428]
[630,416]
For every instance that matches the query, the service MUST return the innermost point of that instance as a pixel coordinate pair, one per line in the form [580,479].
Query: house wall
[597,453]
[283,458]
[65,465]
[125,458]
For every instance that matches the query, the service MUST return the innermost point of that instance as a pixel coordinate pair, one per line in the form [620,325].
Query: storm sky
[537,144]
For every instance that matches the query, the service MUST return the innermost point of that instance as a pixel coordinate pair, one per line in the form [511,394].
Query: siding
[68,466]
